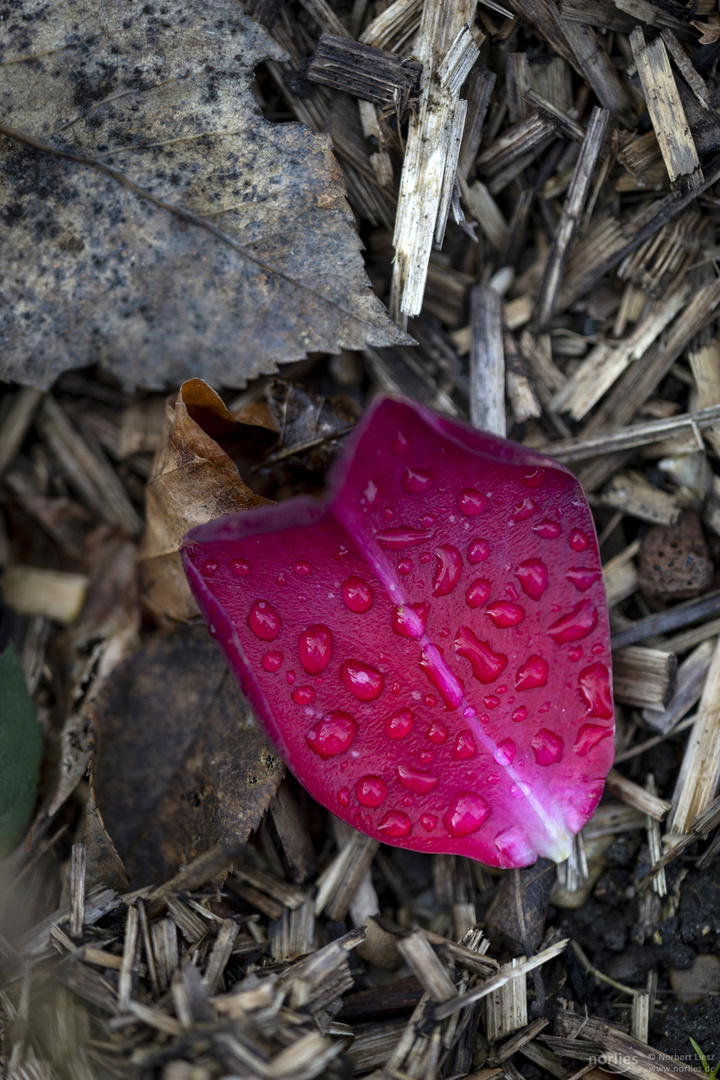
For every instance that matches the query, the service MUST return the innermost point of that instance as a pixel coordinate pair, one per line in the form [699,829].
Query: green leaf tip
[21,752]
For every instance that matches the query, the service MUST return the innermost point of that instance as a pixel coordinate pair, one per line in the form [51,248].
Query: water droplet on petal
[505,613]
[579,540]
[415,480]
[290,678]
[547,530]
[402,537]
[471,502]
[357,594]
[332,735]
[547,747]
[466,813]
[241,568]
[491,701]
[209,567]
[575,652]
[401,443]
[344,797]
[264,620]
[583,577]
[534,479]
[469,712]
[426,757]
[395,824]
[487,665]
[514,846]
[365,682]
[448,568]
[399,724]
[478,551]
[589,736]
[504,752]
[302,569]
[533,576]
[405,566]
[315,647]
[419,782]
[428,822]
[437,732]
[477,593]
[533,673]
[409,620]
[271,661]
[303,695]
[576,624]
[430,700]
[433,663]
[519,714]
[370,791]
[524,510]
[594,686]
[465,746]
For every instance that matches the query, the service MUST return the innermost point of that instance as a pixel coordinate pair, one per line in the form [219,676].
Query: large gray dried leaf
[150,218]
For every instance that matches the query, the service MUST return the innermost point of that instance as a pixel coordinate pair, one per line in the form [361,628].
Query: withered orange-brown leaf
[193,480]
[154,222]
[181,763]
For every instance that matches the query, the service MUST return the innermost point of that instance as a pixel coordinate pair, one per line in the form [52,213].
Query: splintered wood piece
[380,946]
[431,155]
[685,66]
[644,677]
[483,208]
[632,493]
[659,884]
[519,388]
[290,896]
[394,28]
[325,17]
[129,959]
[580,1036]
[665,107]
[338,884]
[597,67]
[629,438]
[220,954]
[660,263]
[570,217]
[77,890]
[543,17]
[700,769]
[520,1039]
[423,962]
[481,86]
[365,72]
[691,677]
[294,932]
[633,795]
[705,366]
[640,1017]
[54,594]
[487,361]
[17,423]
[292,834]
[506,1008]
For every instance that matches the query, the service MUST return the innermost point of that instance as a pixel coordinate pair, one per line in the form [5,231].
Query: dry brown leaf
[193,480]
[709,30]
[152,220]
[181,763]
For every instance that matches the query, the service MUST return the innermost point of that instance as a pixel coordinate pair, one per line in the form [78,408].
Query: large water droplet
[579,540]
[303,695]
[583,577]
[332,735]
[519,714]
[533,576]
[594,686]
[448,567]
[589,736]
[533,673]
[302,569]
[315,647]
[478,551]
[575,652]
[465,746]
[466,813]
[370,791]
[402,537]
[395,824]
[433,663]
[547,530]
[576,624]
[487,665]
[241,568]
[357,594]
[399,724]
[477,592]
[505,613]
[471,502]
[547,747]
[271,661]
[504,752]
[409,620]
[365,682]
[428,822]
[491,701]
[405,566]
[418,782]
[415,480]
[524,510]
[264,620]
[437,732]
